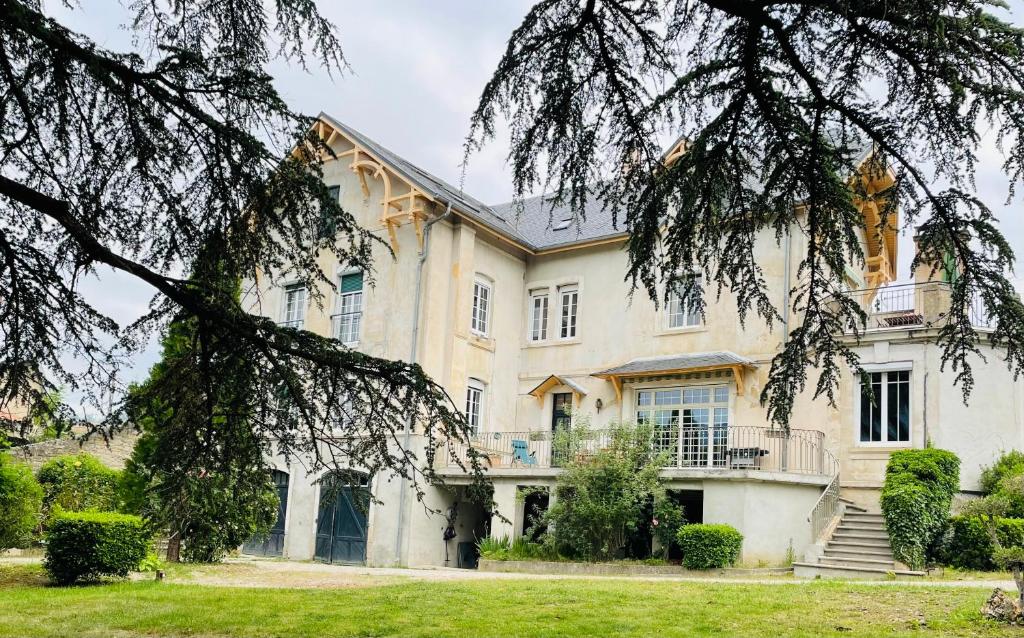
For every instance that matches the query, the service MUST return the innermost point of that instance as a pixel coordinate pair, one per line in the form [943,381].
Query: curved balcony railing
[726,447]
[914,304]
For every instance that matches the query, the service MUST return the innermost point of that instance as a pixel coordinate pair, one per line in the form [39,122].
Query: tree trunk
[174,549]
[1018,578]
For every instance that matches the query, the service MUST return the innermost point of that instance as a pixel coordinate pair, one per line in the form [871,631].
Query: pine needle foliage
[141,161]
[776,102]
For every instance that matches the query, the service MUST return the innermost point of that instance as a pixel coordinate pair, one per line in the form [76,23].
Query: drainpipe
[786,285]
[413,351]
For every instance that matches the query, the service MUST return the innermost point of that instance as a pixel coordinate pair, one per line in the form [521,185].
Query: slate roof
[528,225]
[648,365]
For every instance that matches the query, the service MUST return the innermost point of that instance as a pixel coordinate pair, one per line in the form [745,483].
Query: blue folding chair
[522,454]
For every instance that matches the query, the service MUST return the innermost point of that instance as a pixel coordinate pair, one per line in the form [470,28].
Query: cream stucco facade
[621,360]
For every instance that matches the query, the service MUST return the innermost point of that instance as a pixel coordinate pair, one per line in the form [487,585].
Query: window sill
[553,342]
[667,332]
[868,451]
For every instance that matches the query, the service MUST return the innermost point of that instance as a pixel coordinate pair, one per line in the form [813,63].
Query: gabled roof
[554,381]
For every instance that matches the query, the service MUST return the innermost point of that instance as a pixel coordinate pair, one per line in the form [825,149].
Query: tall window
[539,315]
[481,307]
[294,306]
[690,423]
[683,308]
[561,411]
[569,298]
[328,225]
[474,405]
[349,319]
[885,411]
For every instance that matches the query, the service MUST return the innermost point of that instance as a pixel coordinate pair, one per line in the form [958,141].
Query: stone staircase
[857,549]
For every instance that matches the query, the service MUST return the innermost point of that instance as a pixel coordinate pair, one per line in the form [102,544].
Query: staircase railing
[826,509]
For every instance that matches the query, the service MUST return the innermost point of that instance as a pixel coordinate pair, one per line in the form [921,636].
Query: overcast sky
[417,70]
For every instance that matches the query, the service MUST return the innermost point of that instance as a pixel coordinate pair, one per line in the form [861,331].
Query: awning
[554,381]
[677,364]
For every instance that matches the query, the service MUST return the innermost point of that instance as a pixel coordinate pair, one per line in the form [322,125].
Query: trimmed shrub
[707,546]
[20,501]
[968,544]
[87,545]
[918,491]
[76,483]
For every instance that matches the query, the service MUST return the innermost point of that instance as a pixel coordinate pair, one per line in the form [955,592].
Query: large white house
[526,316]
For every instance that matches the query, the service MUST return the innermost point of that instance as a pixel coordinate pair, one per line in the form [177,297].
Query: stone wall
[112,453]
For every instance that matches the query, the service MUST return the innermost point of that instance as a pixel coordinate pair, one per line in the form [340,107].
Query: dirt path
[290,574]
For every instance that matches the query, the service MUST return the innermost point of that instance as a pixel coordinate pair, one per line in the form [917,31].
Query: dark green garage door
[341,524]
[273,543]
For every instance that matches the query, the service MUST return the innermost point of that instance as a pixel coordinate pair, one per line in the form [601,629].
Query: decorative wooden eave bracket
[618,379]
[402,202]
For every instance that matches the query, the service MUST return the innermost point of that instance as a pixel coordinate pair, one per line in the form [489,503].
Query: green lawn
[470,609]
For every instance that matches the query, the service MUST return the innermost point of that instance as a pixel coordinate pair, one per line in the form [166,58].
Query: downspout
[413,351]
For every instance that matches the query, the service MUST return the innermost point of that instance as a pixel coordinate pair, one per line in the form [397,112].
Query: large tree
[141,161]
[775,100]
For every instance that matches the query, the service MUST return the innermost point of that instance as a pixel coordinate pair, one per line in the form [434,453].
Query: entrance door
[273,543]
[341,524]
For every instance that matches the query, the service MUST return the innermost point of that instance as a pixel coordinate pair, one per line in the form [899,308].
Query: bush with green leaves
[916,496]
[967,544]
[87,545]
[1008,464]
[709,546]
[77,483]
[516,549]
[668,518]
[21,499]
[604,494]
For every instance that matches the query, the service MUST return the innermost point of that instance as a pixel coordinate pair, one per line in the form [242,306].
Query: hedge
[1009,464]
[968,546]
[707,546]
[20,501]
[87,545]
[78,482]
[916,496]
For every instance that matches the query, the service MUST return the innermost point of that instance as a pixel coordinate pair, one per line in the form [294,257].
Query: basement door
[273,543]
[341,526]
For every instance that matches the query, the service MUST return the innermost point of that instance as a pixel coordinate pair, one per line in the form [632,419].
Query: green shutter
[352,282]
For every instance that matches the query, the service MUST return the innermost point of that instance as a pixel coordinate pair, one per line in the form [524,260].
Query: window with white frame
[683,306]
[474,405]
[479,322]
[690,423]
[539,303]
[294,315]
[885,410]
[348,320]
[568,299]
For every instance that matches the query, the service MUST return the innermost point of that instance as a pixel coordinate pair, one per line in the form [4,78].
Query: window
[691,424]
[474,405]
[481,307]
[328,225]
[349,319]
[561,411]
[683,309]
[885,411]
[569,298]
[539,315]
[294,306]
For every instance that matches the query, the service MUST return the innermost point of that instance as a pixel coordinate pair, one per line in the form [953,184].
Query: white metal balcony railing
[345,326]
[904,305]
[702,448]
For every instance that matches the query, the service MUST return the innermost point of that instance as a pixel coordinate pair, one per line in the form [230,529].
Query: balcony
[686,450]
[915,305]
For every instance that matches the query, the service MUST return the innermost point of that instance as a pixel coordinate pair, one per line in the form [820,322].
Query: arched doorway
[341,524]
[273,543]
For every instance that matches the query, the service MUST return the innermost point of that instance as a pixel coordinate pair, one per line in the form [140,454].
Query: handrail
[723,447]
[826,508]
